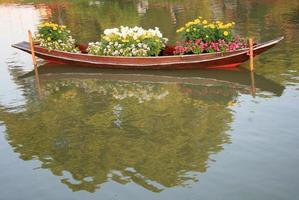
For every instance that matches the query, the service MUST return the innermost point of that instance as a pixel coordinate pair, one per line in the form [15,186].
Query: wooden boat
[195,61]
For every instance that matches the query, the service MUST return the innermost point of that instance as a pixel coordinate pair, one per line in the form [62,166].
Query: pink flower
[199,46]
[180,50]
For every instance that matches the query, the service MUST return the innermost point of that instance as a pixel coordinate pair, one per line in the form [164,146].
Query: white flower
[111,31]
[126,41]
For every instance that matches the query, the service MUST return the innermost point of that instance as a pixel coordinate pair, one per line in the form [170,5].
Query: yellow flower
[180,30]
[225,33]
[197,21]
[220,26]
[207,36]
[54,28]
[189,24]
[106,38]
[229,25]
[49,39]
[212,26]
[204,21]
[188,30]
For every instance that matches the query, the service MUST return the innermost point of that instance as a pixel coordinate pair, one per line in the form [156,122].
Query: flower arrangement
[199,46]
[206,31]
[126,41]
[55,37]
[202,36]
[198,36]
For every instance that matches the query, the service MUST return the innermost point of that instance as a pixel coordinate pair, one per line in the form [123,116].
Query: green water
[115,134]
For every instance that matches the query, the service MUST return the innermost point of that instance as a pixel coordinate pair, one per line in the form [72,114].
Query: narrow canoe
[208,60]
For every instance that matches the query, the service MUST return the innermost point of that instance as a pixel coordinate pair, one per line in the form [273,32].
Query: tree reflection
[152,134]
[92,131]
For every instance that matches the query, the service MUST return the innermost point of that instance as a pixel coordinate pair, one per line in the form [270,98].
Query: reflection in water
[92,128]
[156,129]
[235,78]
[149,133]
[253,87]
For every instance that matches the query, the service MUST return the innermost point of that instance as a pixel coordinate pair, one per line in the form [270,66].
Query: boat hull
[210,60]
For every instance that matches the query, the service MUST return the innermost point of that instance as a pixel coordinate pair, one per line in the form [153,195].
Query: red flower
[168,50]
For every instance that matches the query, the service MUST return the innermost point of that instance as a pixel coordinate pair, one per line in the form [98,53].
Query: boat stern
[23,46]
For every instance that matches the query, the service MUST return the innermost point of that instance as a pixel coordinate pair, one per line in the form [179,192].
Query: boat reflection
[157,131]
[239,77]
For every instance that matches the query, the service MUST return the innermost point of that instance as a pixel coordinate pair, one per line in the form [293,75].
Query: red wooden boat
[208,60]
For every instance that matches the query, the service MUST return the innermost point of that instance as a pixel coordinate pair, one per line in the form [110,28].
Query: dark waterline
[106,134]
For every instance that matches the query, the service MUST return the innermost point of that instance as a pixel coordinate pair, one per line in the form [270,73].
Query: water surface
[115,134]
